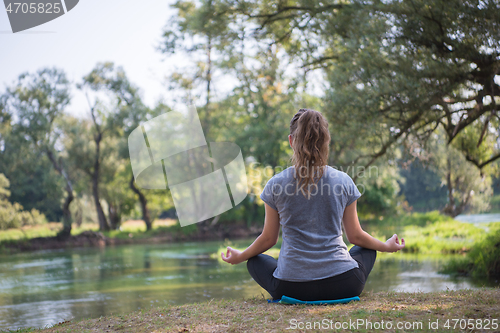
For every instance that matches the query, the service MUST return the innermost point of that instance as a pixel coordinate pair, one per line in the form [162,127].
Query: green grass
[45,230]
[428,233]
[128,230]
[483,260]
[414,219]
[495,204]
[137,229]
[129,227]
[441,237]
[256,315]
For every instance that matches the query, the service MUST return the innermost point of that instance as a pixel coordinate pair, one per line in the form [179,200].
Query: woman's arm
[357,236]
[267,239]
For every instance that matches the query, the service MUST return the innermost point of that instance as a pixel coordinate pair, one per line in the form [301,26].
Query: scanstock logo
[205,179]
[28,14]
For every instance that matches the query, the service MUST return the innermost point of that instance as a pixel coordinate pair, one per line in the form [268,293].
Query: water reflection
[400,272]
[44,288]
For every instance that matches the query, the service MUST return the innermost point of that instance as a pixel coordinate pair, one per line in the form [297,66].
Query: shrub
[483,260]
[441,237]
[12,215]
[413,219]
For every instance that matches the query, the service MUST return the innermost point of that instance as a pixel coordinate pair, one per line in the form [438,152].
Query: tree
[201,31]
[113,190]
[116,189]
[422,187]
[466,186]
[404,67]
[126,113]
[34,182]
[37,102]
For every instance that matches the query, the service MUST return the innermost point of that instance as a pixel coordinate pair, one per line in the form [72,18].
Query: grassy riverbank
[256,315]
[482,260]
[43,237]
[424,232]
[132,228]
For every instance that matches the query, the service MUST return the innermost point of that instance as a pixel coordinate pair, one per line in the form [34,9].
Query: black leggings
[347,284]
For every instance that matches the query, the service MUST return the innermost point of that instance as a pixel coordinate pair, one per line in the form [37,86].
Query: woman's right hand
[392,244]
[232,256]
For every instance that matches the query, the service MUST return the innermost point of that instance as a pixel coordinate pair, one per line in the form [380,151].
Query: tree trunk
[205,224]
[67,220]
[144,204]
[451,208]
[103,223]
[114,216]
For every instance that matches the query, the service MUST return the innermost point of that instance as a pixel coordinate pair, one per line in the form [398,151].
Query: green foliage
[35,185]
[416,219]
[468,187]
[97,147]
[234,215]
[33,181]
[36,102]
[483,260]
[495,204]
[4,185]
[422,187]
[426,233]
[424,219]
[404,68]
[379,188]
[441,237]
[30,108]
[13,215]
[186,230]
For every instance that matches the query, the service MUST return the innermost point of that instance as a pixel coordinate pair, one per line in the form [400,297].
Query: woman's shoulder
[283,175]
[338,175]
[330,172]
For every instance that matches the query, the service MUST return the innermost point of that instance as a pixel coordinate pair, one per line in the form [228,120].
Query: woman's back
[312,246]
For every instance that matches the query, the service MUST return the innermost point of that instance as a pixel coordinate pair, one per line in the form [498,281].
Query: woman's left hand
[232,256]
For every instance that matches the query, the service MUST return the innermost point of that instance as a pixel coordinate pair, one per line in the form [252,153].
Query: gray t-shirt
[312,246]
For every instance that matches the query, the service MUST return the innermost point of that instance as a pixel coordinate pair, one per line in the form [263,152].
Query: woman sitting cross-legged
[311,201]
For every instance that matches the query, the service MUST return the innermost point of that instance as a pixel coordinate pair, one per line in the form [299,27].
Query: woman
[310,200]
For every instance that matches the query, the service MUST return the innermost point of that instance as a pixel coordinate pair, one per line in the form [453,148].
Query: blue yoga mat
[290,300]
